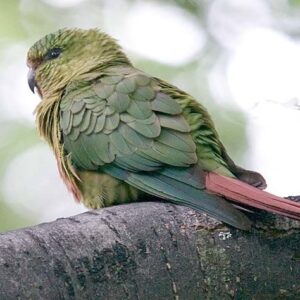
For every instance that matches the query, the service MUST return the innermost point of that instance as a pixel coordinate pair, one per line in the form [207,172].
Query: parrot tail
[243,193]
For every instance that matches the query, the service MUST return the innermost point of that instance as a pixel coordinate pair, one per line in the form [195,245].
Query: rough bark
[150,251]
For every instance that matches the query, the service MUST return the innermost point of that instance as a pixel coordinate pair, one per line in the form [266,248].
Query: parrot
[120,135]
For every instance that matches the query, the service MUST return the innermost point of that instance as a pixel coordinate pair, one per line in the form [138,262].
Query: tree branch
[150,250]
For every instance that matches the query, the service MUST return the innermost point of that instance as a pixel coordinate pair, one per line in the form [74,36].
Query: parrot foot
[293,198]
[253,178]
[250,177]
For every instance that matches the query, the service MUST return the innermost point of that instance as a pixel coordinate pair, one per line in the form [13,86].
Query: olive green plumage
[118,133]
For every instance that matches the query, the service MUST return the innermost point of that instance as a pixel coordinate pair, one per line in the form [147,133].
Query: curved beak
[31,79]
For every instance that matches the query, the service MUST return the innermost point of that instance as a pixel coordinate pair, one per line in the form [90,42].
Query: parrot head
[60,57]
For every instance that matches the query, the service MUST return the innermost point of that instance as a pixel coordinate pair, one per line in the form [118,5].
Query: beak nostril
[31,79]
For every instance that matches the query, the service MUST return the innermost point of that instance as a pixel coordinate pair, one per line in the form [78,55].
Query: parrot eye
[53,53]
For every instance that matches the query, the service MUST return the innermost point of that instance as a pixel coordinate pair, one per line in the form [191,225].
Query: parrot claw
[259,184]
[293,198]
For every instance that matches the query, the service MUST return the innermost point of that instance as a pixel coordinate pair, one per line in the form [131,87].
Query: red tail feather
[243,193]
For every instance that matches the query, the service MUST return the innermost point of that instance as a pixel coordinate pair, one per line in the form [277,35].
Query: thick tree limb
[150,251]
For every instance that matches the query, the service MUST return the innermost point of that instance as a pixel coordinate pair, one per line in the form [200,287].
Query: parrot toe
[293,198]
[253,178]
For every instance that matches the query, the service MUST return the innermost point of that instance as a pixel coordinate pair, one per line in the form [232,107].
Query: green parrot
[119,134]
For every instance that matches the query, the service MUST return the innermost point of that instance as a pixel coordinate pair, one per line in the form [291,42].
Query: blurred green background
[241,59]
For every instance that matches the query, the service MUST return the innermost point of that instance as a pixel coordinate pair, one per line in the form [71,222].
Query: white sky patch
[32,186]
[63,3]
[229,19]
[163,33]
[275,144]
[265,66]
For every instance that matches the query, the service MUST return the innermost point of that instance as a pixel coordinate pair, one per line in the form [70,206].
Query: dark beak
[31,79]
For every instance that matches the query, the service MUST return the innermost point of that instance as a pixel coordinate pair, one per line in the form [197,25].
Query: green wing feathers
[120,115]
[210,150]
[133,128]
